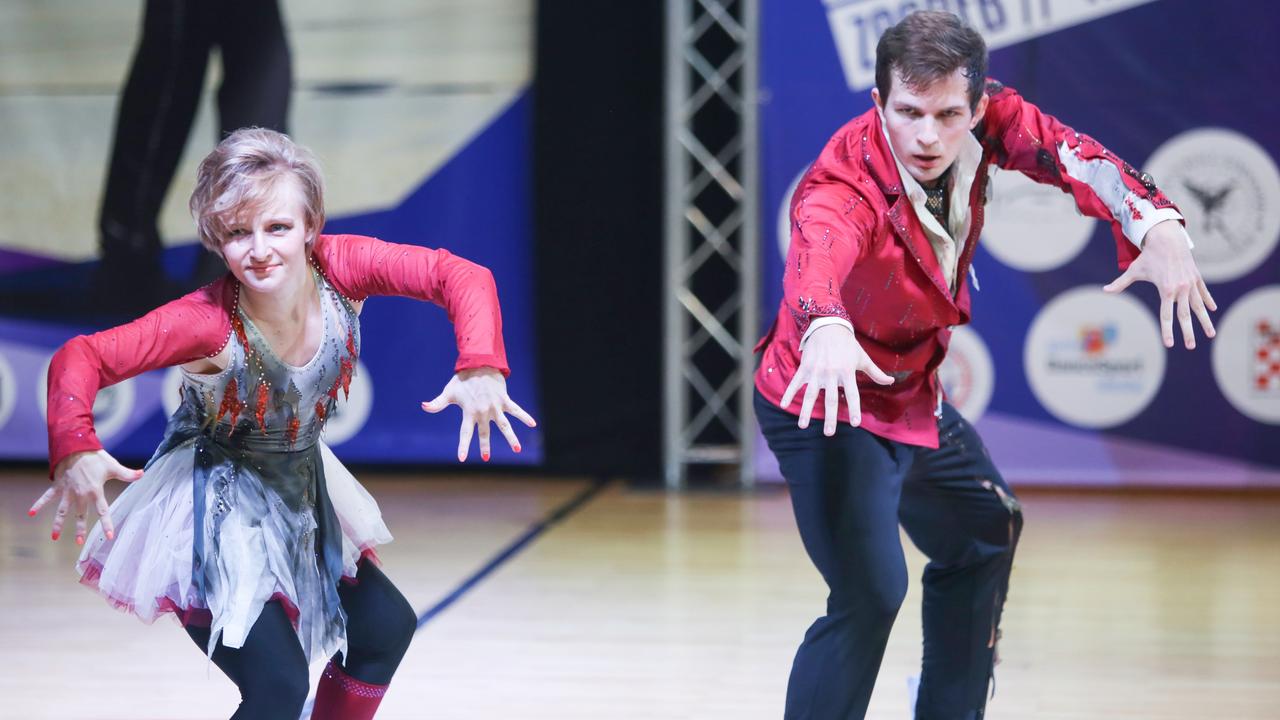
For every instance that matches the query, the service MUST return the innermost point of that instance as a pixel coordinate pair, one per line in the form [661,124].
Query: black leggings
[271,671]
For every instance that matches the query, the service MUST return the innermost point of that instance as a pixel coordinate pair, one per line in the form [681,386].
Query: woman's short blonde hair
[239,177]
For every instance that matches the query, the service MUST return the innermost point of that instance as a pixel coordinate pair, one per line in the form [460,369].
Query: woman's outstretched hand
[77,485]
[482,395]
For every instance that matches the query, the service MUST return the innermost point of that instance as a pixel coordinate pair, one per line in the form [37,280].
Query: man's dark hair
[927,46]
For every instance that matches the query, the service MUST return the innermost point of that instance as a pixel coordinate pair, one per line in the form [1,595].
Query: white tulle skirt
[262,552]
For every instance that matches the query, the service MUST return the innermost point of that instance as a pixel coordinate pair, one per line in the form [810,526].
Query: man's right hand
[831,359]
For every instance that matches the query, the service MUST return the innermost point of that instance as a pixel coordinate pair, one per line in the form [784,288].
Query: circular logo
[1228,188]
[1092,359]
[8,391]
[1033,227]
[784,215]
[1246,355]
[111,408]
[967,374]
[351,411]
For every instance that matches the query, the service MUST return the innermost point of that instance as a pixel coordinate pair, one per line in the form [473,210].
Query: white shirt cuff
[1136,231]
[823,322]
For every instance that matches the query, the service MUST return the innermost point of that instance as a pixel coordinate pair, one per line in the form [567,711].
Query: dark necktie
[935,199]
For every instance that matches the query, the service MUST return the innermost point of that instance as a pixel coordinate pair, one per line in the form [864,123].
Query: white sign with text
[858,24]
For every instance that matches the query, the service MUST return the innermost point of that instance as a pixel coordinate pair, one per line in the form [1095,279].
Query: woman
[243,523]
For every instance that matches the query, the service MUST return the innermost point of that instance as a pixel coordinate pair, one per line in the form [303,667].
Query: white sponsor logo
[1033,227]
[111,408]
[968,375]
[8,391]
[1246,355]
[858,24]
[1094,360]
[1228,188]
[784,215]
[352,411]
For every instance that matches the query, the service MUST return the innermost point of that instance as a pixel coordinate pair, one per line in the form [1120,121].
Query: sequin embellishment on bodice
[260,402]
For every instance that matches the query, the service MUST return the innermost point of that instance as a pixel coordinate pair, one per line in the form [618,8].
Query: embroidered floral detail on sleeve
[1133,209]
[808,308]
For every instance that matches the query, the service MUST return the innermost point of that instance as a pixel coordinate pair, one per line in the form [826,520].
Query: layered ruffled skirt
[265,532]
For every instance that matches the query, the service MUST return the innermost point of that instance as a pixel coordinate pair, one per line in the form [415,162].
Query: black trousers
[849,493]
[271,671]
[159,104]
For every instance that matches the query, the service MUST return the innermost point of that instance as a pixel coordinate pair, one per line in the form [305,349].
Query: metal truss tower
[711,235]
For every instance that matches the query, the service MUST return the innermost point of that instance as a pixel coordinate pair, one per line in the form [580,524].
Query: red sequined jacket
[859,252]
[198,325]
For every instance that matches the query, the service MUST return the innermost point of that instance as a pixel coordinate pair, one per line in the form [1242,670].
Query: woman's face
[267,249]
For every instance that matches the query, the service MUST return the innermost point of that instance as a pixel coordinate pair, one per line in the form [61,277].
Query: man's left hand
[1166,262]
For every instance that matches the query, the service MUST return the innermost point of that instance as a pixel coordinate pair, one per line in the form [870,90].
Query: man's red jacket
[859,252]
[199,325]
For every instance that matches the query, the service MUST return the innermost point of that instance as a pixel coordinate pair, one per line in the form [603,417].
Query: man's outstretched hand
[831,359]
[1166,262]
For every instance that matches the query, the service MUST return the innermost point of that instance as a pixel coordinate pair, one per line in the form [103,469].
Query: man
[884,226]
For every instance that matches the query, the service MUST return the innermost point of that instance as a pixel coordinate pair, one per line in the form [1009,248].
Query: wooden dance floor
[646,605]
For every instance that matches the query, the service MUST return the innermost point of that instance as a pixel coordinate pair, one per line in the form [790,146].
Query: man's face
[928,125]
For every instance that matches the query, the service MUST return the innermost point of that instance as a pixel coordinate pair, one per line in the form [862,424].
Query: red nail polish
[517,448]
[54,535]
[79,539]
[485,457]
[111,535]
[31,513]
